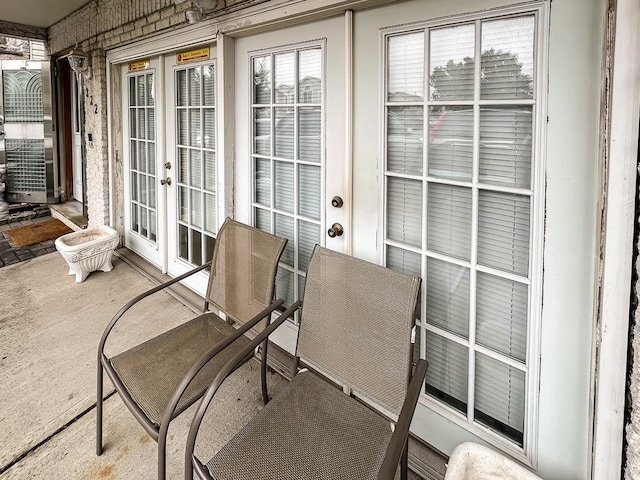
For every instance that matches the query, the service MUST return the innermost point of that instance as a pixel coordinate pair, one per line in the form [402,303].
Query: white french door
[143,199]
[290,127]
[193,196]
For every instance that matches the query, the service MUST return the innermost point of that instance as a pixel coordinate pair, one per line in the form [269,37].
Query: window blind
[447,376]
[448,296]
[505,146]
[405,140]
[404,210]
[450,148]
[473,223]
[449,220]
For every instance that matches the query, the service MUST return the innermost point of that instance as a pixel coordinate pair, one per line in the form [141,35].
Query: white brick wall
[95,28]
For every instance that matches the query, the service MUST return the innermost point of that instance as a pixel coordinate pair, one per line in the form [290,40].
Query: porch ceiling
[38,13]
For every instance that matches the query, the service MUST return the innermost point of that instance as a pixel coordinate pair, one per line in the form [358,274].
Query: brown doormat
[37,232]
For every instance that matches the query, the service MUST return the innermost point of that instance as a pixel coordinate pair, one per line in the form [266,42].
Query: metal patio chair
[152,378]
[347,413]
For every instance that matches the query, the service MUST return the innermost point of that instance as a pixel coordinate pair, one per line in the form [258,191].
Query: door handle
[165,181]
[336,230]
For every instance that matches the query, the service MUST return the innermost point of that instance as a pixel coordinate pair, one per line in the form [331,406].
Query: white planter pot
[471,461]
[88,250]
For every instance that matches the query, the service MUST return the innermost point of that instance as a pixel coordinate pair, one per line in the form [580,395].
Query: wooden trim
[619,158]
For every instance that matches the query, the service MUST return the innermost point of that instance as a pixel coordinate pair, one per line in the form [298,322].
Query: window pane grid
[464,205]
[196,169]
[142,178]
[287,160]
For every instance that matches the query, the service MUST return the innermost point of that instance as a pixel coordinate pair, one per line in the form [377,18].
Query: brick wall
[96,28]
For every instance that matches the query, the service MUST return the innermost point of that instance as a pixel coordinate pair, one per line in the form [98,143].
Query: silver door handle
[165,181]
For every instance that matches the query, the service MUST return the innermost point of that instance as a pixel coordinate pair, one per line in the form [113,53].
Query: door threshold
[180,292]
[70,213]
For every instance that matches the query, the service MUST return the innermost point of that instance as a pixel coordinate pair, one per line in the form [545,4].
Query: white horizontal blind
[287,157]
[195,113]
[458,208]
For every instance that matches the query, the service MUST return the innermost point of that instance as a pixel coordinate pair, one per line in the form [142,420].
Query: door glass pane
[505,146]
[310,76]
[262,80]
[502,310]
[309,133]
[449,220]
[447,376]
[142,156]
[284,80]
[404,211]
[288,170]
[503,231]
[450,151]
[285,131]
[499,402]
[22,96]
[448,296]
[405,67]
[507,58]
[451,63]
[405,138]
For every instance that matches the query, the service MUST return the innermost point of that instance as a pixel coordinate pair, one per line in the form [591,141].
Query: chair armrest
[227,369]
[206,357]
[142,296]
[401,434]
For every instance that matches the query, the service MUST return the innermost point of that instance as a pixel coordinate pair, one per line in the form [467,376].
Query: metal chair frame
[159,434]
[397,449]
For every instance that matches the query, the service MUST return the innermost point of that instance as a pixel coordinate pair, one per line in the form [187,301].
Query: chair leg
[404,462]
[99,402]
[263,373]
[162,455]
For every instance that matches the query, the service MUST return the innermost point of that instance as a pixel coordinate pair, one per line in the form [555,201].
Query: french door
[193,200]
[142,196]
[171,184]
[290,127]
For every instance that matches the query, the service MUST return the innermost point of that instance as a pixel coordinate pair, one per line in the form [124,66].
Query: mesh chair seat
[311,430]
[152,371]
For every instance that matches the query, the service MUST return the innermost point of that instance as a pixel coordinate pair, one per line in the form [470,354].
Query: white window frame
[528,453]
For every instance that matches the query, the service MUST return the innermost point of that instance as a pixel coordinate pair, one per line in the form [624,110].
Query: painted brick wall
[96,28]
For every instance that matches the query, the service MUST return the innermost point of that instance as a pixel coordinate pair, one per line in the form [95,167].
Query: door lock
[337,202]
[165,181]
[167,165]
[336,230]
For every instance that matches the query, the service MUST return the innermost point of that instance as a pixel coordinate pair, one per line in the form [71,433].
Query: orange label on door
[138,65]
[193,55]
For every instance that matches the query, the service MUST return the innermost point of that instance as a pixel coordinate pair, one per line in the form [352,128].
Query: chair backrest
[356,326]
[243,270]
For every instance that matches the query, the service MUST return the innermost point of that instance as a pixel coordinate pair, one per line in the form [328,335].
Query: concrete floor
[49,331]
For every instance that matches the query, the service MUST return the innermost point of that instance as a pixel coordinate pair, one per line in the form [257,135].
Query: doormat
[37,232]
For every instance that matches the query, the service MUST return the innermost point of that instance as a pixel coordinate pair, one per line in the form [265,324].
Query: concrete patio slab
[49,332]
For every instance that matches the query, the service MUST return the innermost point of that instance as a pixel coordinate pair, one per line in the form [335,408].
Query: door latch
[165,181]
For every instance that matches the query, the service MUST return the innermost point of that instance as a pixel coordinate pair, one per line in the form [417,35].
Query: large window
[461,110]
[287,157]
